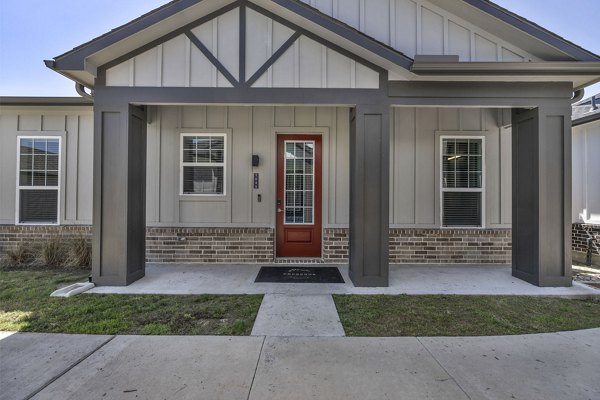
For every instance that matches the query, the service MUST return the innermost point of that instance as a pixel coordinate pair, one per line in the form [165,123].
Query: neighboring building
[261,131]
[586,180]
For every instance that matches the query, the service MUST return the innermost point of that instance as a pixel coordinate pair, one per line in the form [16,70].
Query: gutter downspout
[81,91]
[577,96]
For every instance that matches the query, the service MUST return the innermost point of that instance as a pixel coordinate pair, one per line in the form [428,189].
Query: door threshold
[298,260]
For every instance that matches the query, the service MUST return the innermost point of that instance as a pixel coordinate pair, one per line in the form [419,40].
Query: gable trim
[207,53]
[171,35]
[284,47]
[346,31]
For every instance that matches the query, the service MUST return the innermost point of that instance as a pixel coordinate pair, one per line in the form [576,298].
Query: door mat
[299,274]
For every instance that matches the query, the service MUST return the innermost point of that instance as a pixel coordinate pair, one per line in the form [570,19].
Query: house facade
[320,131]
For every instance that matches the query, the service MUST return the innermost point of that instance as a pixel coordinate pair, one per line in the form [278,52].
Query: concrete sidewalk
[404,279]
[546,366]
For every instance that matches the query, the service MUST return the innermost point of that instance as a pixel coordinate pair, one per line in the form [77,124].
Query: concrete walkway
[547,366]
[404,279]
[283,315]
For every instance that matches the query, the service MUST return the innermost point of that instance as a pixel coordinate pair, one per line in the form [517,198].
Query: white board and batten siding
[419,27]
[414,150]
[179,63]
[75,128]
[249,130]
[415,163]
[586,173]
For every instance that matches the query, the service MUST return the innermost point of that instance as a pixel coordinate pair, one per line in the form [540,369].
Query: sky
[34,30]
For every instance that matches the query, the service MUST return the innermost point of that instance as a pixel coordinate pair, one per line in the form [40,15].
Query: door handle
[279,210]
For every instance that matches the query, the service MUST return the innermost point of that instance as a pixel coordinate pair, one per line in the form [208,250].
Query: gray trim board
[587,119]
[207,53]
[237,95]
[242,44]
[531,28]
[288,43]
[44,101]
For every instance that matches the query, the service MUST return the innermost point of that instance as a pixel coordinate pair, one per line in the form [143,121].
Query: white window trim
[196,164]
[285,142]
[19,187]
[477,190]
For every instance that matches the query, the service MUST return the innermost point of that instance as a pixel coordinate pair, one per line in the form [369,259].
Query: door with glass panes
[298,203]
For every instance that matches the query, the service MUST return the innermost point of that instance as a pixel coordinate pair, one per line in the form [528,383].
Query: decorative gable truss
[243,46]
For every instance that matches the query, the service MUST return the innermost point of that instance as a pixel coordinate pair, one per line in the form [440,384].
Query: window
[462,183]
[203,164]
[38,180]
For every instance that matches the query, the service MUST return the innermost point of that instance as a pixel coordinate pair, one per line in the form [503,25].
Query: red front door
[298,196]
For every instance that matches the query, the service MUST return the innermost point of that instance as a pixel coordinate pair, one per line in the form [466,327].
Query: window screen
[38,181]
[462,181]
[203,167]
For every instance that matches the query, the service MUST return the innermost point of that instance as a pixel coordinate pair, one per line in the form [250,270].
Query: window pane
[189,156]
[462,146]
[39,146]
[289,182]
[188,143]
[39,162]
[475,147]
[26,161]
[203,156]
[203,180]
[202,143]
[39,178]
[461,208]
[300,150]
[216,156]
[52,178]
[26,178]
[52,146]
[52,162]
[26,146]
[38,206]
[217,143]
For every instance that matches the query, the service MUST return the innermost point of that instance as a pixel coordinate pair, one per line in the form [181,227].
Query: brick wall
[581,233]
[12,235]
[176,245]
[211,245]
[256,245]
[431,246]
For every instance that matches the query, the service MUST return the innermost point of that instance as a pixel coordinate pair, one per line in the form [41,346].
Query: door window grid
[299,182]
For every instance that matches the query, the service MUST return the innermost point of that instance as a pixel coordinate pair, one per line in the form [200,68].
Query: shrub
[23,255]
[80,253]
[54,253]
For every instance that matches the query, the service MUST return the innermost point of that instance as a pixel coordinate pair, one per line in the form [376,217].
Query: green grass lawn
[25,306]
[463,315]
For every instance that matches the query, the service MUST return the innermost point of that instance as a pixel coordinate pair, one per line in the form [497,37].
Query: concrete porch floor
[404,279]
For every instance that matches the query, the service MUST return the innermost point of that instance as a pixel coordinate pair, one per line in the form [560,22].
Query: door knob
[279,210]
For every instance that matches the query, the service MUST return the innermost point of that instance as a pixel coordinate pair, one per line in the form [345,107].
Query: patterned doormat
[299,274]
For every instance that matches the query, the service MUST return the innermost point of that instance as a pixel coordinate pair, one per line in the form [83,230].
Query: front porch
[188,279]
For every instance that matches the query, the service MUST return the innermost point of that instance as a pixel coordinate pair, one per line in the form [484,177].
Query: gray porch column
[541,243]
[369,195]
[119,216]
